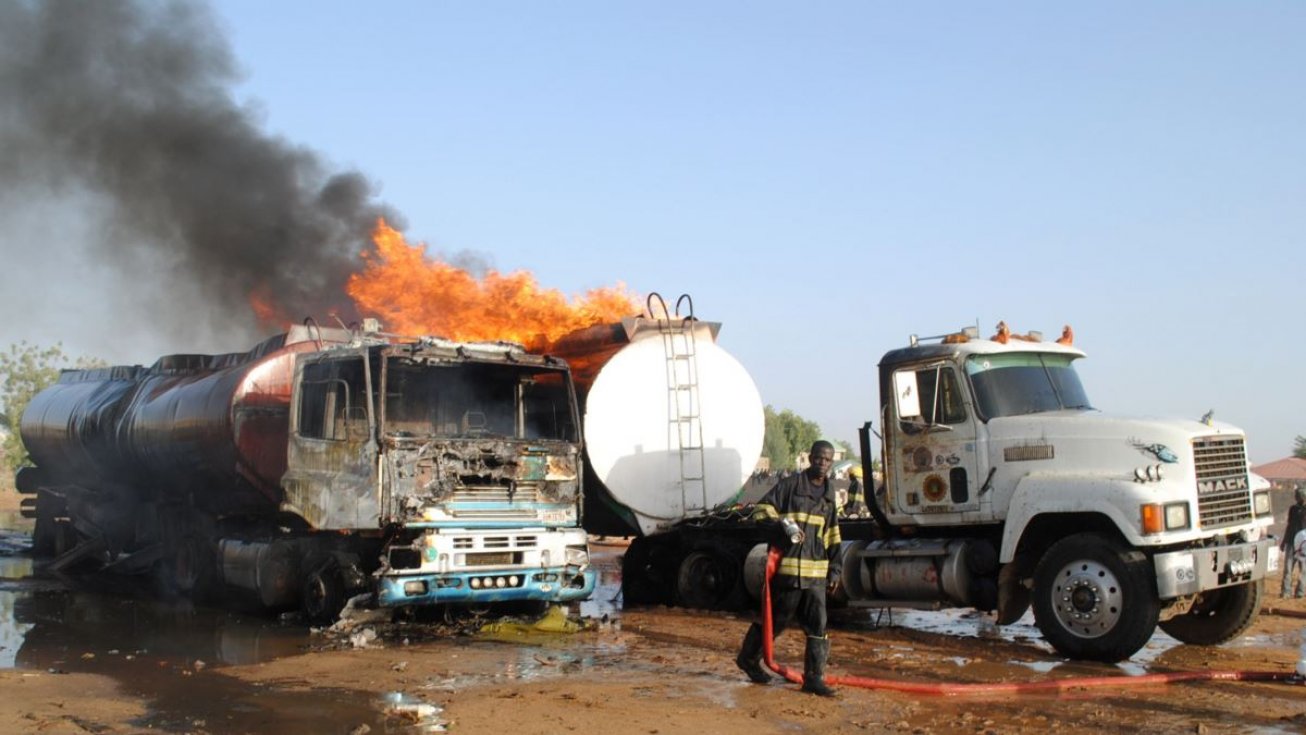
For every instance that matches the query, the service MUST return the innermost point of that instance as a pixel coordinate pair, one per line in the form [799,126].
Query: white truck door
[937,467]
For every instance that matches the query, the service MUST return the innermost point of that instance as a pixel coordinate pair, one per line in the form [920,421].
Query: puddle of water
[167,654]
[965,623]
[13,569]
[211,702]
[87,632]
[962,623]
[13,520]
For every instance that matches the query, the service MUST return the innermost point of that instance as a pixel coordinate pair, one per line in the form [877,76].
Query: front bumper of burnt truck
[473,567]
[1190,571]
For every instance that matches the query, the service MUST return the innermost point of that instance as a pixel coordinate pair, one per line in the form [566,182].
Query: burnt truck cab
[465,456]
[997,464]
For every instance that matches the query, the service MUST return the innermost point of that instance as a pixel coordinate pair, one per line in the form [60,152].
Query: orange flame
[415,295]
[265,308]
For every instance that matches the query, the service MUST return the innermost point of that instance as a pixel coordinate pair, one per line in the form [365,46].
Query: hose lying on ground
[953,689]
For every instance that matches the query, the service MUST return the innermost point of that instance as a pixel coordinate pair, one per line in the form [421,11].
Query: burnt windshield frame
[1023,383]
[333,399]
[475,400]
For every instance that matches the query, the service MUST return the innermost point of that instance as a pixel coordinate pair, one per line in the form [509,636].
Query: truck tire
[324,594]
[188,569]
[1218,615]
[44,538]
[643,573]
[1094,598]
[45,530]
[706,580]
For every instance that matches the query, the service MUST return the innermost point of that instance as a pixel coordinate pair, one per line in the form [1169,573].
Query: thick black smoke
[132,102]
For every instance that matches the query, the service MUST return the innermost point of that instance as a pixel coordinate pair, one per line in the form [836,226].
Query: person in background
[856,505]
[1299,561]
[1291,561]
[810,565]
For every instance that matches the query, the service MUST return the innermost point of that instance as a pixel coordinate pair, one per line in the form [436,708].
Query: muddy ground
[100,662]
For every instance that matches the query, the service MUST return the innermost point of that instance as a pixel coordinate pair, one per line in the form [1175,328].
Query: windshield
[1017,383]
[477,399]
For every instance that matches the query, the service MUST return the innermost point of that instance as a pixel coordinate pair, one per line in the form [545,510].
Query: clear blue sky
[828,178]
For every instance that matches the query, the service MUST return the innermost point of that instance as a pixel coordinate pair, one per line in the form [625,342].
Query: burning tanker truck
[1003,490]
[320,464]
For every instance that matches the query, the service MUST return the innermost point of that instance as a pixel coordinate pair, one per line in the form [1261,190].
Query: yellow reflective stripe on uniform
[817,568]
[832,536]
[807,519]
[765,513]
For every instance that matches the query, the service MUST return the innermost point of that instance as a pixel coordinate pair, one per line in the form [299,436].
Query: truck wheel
[45,531]
[324,593]
[705,580]
[43,538]
[1094,598]
[66,537]
[1218,615]
[187,569]
[642,580]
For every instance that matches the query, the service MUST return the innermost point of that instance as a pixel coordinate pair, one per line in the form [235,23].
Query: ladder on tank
[684,412]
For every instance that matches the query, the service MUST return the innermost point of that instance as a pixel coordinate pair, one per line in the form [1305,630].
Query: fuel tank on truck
[673,423]
[213,427]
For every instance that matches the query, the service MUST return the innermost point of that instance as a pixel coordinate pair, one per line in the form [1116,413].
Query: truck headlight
[1169,517]
[1261,504]
[1176,516]
[577,556]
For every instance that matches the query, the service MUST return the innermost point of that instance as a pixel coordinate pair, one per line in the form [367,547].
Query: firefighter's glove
[834,582]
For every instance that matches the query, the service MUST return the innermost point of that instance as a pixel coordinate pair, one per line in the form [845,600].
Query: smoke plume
[129,105]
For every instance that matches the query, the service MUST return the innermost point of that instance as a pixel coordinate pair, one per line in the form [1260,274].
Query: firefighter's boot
[818,650]
[749,659]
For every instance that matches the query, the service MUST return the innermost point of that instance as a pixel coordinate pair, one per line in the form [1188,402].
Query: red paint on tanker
[187,424]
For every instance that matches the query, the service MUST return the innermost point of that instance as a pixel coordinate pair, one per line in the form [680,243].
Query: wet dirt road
[100,662]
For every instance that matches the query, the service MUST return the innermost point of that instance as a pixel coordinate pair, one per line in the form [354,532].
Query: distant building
[1286,473]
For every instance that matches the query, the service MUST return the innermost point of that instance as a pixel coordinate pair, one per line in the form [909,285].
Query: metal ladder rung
[680,348]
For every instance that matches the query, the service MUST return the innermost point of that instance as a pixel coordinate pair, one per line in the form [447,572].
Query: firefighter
[856,505]
[809,566]
[1296,522]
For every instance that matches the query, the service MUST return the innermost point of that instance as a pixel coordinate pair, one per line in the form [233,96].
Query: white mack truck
[1003,488]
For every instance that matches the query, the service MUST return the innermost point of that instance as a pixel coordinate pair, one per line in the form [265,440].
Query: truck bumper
[562,584]
[463,565]
[1190,571]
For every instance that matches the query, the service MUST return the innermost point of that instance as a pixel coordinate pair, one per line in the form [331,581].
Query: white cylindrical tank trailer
[673,423]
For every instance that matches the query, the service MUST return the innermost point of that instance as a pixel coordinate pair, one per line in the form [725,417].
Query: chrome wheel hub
[1087,599]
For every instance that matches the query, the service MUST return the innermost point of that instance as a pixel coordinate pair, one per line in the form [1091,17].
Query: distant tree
[1299,447]
[787,434]
[26,370]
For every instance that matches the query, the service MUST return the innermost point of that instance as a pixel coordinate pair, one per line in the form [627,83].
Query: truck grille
[495,494]
[493,503]
[1223,494]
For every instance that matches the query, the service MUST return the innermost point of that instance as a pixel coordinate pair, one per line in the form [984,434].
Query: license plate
[490,559]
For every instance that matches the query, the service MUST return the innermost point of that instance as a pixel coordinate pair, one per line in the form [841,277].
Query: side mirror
[907,395]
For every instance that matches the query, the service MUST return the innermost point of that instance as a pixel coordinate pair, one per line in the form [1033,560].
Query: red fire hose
[954,689]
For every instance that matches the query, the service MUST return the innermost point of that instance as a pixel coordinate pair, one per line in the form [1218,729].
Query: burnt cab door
[935,466]
[330,478]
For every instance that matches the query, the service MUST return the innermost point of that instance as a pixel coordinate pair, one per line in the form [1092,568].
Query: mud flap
[1013,594]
